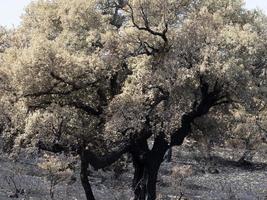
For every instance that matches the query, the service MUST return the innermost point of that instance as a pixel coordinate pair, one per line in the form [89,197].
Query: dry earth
[188,175]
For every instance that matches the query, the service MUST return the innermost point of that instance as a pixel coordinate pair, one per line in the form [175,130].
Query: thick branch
[74,87]
[99,162]
[208,100]
[52,91]
[76,104]
[86,108]
[54,148]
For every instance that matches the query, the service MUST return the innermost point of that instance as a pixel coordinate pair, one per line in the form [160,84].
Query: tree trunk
[51,190]
[151,182]
[138,177]
[138,152]
[146,170]
[84,179]
[246,158]
[168,155]
[148,181]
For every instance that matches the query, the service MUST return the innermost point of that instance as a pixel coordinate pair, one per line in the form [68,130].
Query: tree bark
[146,169]
[148,182]
[84,178]
[138,151]
[138,175]
[168,155]
[151,182]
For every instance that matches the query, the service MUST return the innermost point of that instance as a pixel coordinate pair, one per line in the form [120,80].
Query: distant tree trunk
[51,189]
[168,155]
[247,156]
[84,178]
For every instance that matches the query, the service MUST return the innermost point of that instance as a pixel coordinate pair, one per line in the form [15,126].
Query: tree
[85,82]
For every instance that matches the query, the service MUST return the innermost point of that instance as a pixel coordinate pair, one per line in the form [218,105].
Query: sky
[11,10]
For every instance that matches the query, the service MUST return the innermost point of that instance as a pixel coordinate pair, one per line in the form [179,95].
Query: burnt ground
[189,176]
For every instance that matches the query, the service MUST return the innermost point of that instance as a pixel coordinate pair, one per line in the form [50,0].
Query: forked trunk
[146,170]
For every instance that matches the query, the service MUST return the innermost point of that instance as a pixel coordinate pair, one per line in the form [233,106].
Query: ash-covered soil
[188,176]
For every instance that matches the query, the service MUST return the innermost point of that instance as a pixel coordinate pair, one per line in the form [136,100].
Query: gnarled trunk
[147,168]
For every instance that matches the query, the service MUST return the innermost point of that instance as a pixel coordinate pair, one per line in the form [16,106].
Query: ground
[189,176]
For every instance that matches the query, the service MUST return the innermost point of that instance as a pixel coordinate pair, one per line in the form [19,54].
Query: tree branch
[99,162]
[147,28]
[51,90]
[208,100]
